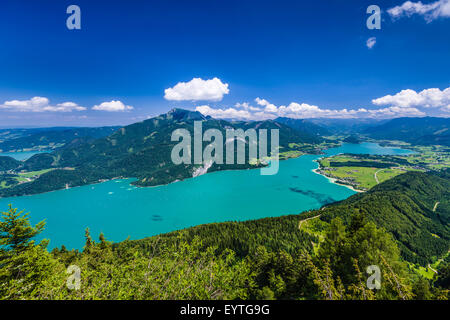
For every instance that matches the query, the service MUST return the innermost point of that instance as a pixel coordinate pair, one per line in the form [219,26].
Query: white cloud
[428,98]
[229,113]
[395,112]
[246,106]
[112,106]
[429,11]
[65,107]
[269,107]
[371,42]
[303,111]
[198,90]
[406,103]
[39,104]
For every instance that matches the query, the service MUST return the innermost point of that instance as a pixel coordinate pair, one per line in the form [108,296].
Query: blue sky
[297,58]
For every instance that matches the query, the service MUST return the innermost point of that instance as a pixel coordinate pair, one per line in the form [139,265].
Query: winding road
[429,266]
[301,221]
[375,175]
[435,206]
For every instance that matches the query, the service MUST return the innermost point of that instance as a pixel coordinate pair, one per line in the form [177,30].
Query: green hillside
[8,163]
[404,207]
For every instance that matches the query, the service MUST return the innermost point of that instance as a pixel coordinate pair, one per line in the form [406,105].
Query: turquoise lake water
[119,209]
[21,155]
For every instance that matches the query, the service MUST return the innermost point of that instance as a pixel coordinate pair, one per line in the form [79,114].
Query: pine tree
[16,231]
[89,242]
[25,268]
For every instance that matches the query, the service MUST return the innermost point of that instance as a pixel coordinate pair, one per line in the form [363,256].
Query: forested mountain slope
[408,206]
[303,125]
[52,137]
[143,151]
[8,163]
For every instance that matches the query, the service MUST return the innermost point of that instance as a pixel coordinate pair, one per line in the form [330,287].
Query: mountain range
[48,138]
[305,126]
[141,150]
[420,131]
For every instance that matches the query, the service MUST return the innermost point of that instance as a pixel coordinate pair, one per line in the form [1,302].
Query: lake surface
[119,209]
[21,155]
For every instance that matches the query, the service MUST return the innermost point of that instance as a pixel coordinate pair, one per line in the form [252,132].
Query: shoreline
[146,186]
[336,181]
[187,178]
